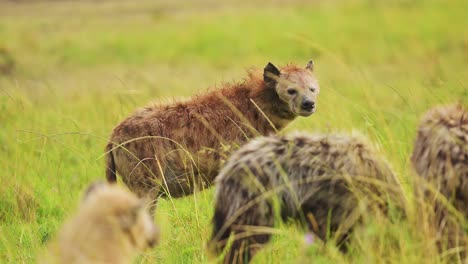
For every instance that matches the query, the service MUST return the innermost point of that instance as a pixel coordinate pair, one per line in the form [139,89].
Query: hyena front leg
[244,249]
[251,229]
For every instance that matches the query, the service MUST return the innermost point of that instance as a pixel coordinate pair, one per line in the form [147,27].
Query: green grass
[81,68]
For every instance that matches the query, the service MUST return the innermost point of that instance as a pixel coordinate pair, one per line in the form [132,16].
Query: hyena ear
[129,218]
[92,188]
[270,74]
[310,66]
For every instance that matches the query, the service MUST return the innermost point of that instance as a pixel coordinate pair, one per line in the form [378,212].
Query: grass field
[80,68]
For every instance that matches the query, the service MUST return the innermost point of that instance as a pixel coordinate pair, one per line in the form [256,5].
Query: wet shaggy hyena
[315,179]
[174,149]
[112,225]
[440,157]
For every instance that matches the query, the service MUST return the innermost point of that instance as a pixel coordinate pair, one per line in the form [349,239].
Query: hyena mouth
[306,113]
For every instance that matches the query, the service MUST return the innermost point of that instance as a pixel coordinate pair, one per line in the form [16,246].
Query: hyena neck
[272,106]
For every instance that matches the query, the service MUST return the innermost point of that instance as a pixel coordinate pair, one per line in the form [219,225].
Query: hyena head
[126,210]
[295,86]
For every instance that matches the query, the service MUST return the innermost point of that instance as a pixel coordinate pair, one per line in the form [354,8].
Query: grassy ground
[81,68]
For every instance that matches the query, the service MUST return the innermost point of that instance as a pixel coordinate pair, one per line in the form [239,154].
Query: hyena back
[316,179]
[173,149]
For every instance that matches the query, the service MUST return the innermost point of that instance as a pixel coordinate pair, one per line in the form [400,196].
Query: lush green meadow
[80,68]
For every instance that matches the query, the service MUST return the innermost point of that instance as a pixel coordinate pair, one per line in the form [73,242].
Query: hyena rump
[440,157]
[316,179]
[176,148]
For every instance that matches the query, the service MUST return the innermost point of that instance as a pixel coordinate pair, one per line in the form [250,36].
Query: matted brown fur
[174,149]
[440,156]
[112,225]
[319,179]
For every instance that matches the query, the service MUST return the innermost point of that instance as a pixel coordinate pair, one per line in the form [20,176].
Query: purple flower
[309,239]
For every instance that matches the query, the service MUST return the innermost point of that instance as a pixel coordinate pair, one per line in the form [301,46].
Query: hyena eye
[292,91]
[312,89]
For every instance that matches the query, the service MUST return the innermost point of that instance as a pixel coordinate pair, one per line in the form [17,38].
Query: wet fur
[310,176]
[440,157]
[175,149]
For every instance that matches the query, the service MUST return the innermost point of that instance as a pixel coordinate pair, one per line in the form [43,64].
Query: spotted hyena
[317,179]
[440,156]
[112,225]
[173,149]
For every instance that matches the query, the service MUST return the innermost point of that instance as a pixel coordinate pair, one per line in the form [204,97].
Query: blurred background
[71,70]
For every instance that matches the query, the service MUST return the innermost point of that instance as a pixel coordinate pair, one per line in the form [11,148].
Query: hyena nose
[152,242]
[307,105]
[153,239]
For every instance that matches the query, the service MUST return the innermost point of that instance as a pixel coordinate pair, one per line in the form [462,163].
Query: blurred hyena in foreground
[440,156]
[112,225]
[326,181]
[173,149]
